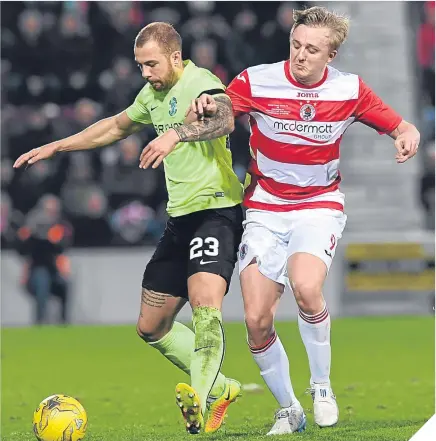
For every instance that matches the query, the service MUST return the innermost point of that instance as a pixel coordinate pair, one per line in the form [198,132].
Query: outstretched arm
[212,119]
[102,133]
[373,112]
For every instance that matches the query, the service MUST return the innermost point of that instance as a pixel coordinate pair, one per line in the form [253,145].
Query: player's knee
[143,331]
[206,289]
[308,295]
[151,331]
[205,299]
[259,326]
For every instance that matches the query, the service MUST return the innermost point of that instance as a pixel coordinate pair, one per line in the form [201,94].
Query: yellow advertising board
[398,267]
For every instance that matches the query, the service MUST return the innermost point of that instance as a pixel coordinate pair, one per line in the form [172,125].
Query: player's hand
[407,144]
[203,106]
[155,151]
[35,155]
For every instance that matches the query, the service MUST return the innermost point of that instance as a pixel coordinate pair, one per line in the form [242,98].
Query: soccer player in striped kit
[298,112]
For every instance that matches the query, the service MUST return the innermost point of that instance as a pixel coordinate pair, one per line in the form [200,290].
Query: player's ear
[332,56]
[176,58]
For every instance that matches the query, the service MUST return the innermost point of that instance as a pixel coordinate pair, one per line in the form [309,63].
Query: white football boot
[325,408]
[288,420]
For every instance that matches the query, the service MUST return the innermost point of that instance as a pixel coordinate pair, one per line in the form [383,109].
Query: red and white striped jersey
[296,131]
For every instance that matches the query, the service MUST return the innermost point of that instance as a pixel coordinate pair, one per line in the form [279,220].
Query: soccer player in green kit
[196,254]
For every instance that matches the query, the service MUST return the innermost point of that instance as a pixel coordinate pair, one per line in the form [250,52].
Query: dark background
[67,64]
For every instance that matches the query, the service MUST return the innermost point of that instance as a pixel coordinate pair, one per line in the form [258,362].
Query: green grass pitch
[382,373]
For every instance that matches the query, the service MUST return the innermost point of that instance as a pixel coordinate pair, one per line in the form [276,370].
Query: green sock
[208,355]
[178,347]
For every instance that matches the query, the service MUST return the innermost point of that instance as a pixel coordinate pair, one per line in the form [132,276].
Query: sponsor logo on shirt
[300,128]
[307,95]
[160,128]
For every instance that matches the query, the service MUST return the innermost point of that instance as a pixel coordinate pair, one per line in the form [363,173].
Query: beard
[167,82]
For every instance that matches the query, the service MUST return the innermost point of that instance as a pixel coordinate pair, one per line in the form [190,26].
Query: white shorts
[272,237]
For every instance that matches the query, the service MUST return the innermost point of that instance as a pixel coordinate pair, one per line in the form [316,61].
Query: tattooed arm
[214,118]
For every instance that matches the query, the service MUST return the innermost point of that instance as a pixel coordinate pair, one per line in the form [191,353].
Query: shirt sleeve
[239,91]
[206,82]
[373,112]
[138,111]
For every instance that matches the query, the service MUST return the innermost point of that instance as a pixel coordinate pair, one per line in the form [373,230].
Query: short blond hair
[162,33]
[319,17]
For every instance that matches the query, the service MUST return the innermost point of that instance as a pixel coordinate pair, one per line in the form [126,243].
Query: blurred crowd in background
[425,55]
[68,64]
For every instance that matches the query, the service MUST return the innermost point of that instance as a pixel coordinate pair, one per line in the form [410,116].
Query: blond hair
[319,17]
[163,34]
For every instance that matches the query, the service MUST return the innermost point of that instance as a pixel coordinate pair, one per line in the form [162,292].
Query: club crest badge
[173,106]
[307,112]
[243,250]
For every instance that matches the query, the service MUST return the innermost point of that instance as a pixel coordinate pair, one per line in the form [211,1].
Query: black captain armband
[212,92]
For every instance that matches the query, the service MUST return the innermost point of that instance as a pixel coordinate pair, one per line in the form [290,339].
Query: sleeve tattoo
[220,124]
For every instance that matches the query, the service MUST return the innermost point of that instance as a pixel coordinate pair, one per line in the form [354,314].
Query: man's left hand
[155,151]
[407,145]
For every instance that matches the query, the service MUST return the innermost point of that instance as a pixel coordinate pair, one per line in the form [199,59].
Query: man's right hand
[200,107]
[35,155]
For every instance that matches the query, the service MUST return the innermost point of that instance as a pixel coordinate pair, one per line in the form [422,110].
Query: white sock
[315,333]
[274,368]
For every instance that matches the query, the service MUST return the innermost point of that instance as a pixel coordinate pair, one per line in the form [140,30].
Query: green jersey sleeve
[138,111]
